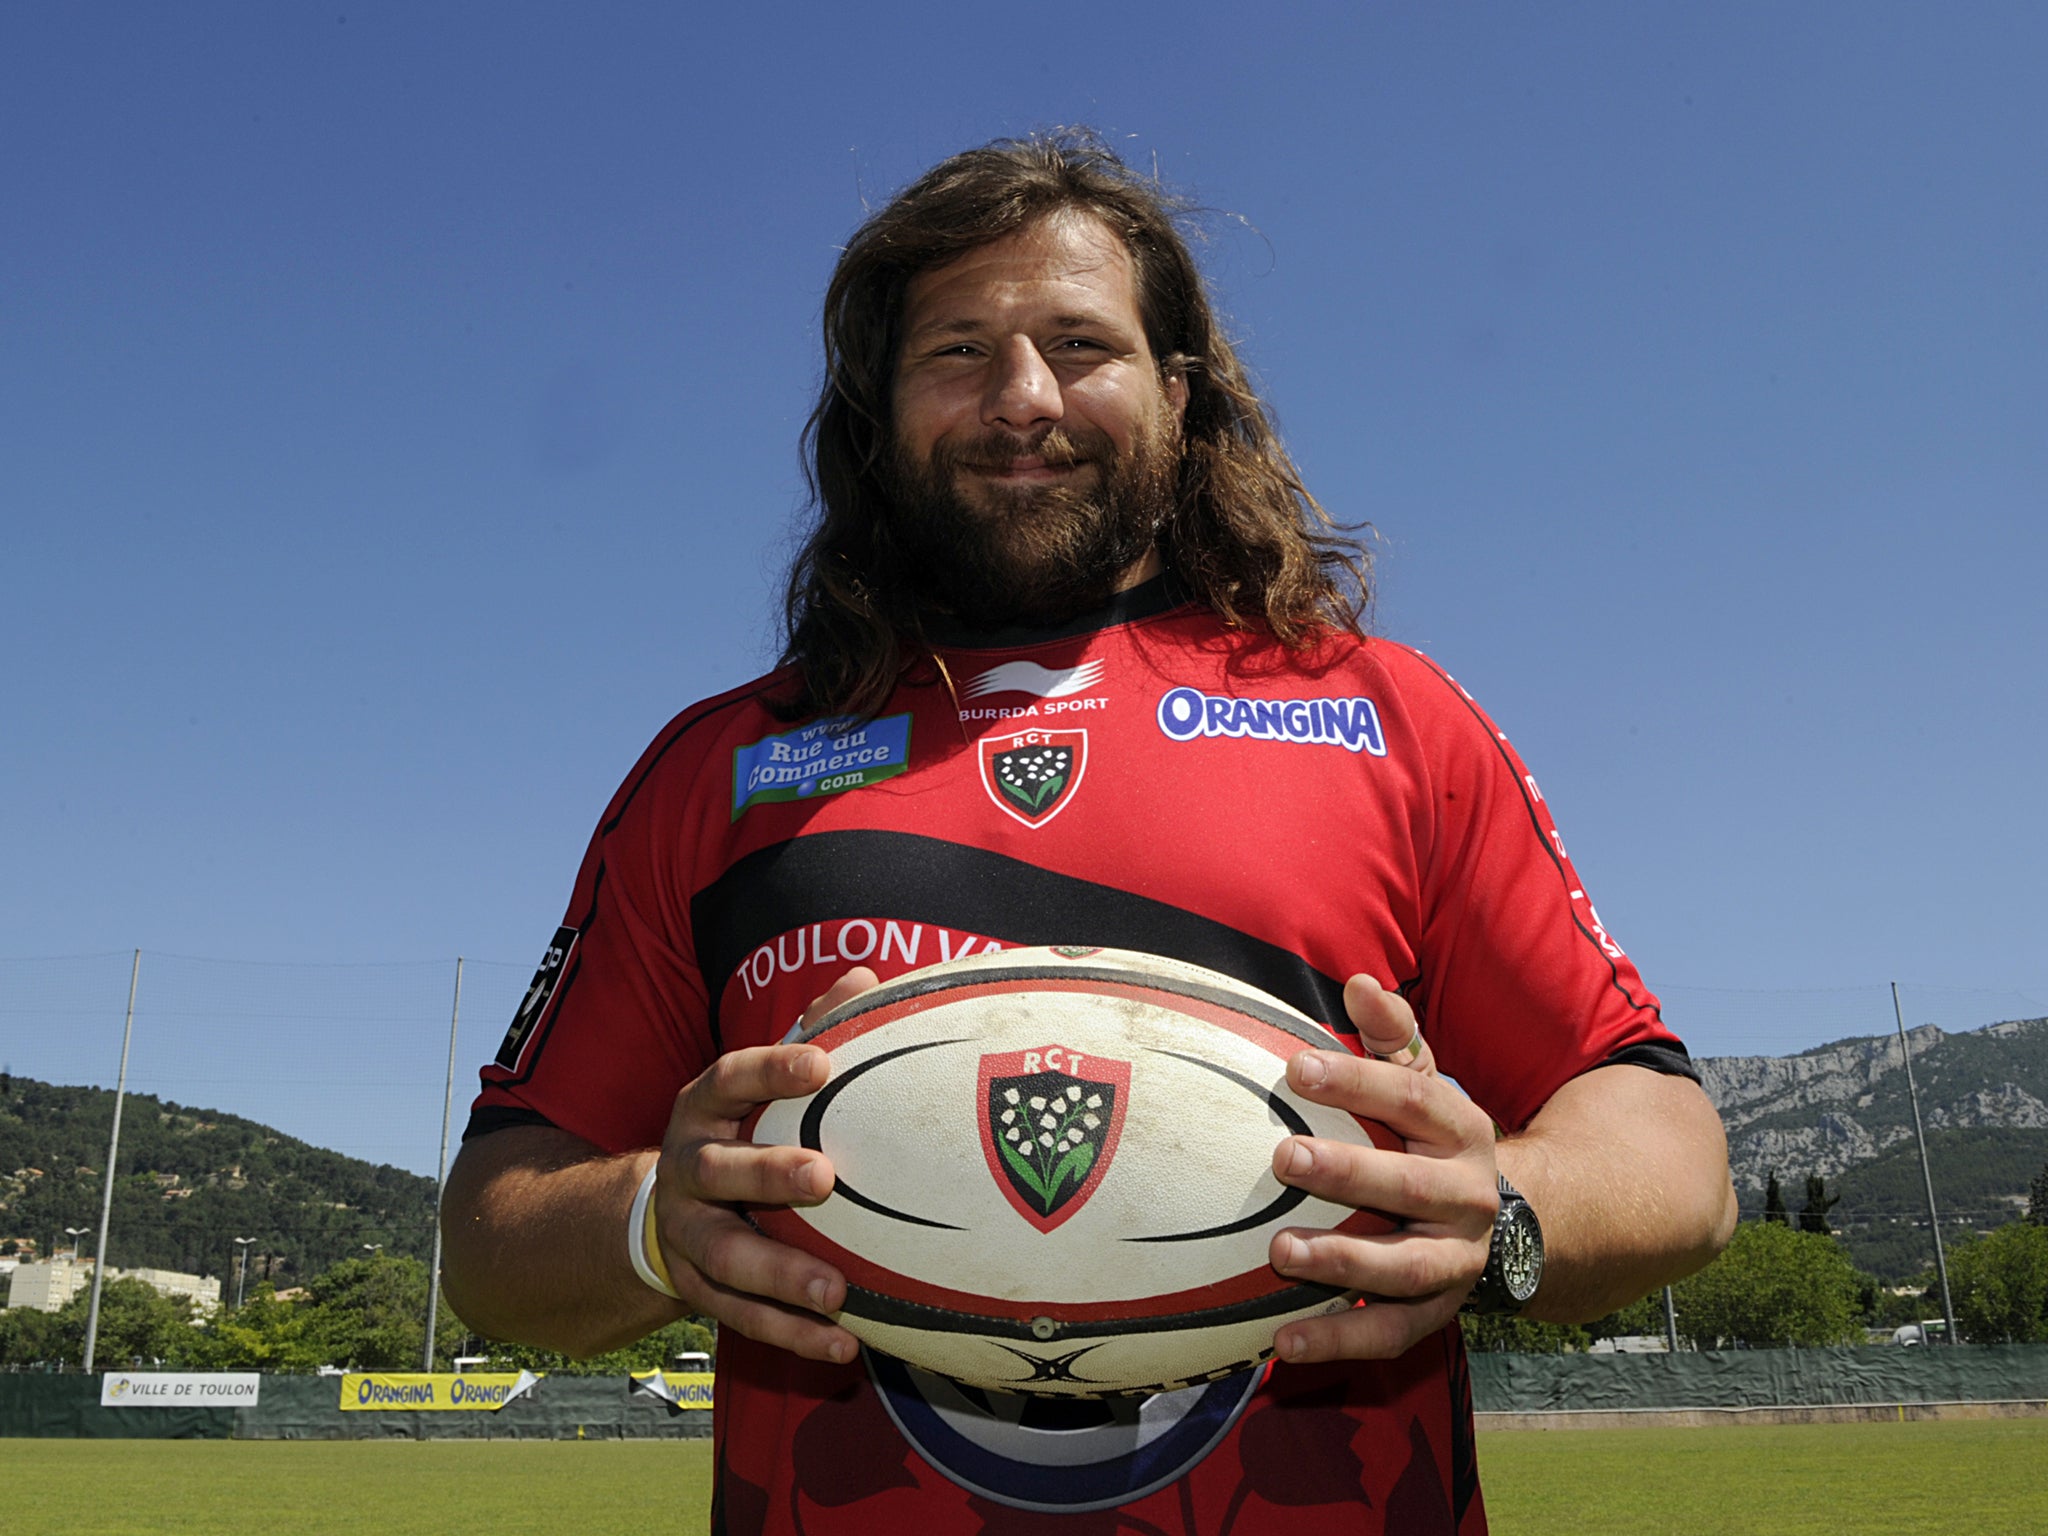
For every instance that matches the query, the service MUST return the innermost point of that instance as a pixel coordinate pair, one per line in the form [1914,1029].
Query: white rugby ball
[1055,1170]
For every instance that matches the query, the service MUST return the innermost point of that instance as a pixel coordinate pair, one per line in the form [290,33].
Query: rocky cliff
[1830,1108]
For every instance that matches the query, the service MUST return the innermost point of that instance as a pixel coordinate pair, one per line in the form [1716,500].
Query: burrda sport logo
[1029,677]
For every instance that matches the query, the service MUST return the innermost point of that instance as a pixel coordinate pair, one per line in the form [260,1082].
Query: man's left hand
[1441,1187]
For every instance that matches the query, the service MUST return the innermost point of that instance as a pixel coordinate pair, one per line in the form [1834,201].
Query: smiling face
[1036,445]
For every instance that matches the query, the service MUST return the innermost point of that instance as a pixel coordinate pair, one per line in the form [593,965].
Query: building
[203,1291]
[49,1283]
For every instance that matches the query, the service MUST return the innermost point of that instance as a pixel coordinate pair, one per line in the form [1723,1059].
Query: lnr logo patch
[1033,774]
[1050,1122]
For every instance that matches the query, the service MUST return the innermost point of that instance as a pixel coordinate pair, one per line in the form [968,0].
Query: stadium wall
[1759,1379]
[309,1408]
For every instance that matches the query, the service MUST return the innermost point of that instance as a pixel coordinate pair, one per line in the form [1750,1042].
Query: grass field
[1986,1477]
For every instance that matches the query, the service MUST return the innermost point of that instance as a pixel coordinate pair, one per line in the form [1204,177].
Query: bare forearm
[1628,1172]
[534,1229]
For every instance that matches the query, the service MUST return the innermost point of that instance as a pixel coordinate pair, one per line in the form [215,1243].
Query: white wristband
[636,1237]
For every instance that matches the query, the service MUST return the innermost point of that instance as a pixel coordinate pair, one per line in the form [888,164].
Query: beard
[995,556]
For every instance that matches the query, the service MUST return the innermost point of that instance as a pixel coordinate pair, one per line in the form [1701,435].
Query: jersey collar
[1159,595]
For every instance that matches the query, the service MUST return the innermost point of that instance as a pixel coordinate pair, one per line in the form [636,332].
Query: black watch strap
[1514,1262]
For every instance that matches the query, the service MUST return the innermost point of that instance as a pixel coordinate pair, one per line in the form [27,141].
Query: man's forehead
[1071,256]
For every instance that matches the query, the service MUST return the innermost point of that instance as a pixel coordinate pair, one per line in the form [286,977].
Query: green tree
[31,1338]
[2000,1285]
[370,1314]
[1886,1308]
[1522,1335]
[654,1352]
[263,1334]
[136,1324]
[1772,1287]
[2037,1198]
[1813,1216]
[1638,1318]
[1774,1201]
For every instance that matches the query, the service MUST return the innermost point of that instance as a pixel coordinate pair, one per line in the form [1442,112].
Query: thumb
[1386,1024]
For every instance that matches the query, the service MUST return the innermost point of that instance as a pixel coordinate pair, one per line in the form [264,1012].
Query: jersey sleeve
[616,1021]
[1522,987]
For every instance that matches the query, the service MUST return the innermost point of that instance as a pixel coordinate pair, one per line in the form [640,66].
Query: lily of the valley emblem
[1033,774]
[1050,1122]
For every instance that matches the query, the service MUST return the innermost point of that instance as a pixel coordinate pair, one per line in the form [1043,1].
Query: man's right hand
[718,1262]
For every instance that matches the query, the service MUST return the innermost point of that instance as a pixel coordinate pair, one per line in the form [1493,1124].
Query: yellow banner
[476,1391]
[686,1389]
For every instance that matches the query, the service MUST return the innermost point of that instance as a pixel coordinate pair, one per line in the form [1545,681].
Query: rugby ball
[1055,1170]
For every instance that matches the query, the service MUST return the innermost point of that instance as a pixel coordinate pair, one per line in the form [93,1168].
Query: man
[1054,520]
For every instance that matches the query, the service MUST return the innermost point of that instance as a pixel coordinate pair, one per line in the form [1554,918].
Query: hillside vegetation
[190,1181]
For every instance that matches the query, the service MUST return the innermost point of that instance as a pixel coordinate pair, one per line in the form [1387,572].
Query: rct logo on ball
[1353,724]
[1050,1127]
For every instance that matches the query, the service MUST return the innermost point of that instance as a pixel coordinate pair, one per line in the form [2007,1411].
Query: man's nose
[1022,391]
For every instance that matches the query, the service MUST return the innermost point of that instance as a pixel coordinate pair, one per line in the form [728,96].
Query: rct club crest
[1033,774]
[1049,1133]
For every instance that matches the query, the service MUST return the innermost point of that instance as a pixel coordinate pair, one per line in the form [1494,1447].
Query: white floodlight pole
[241,1267]
[1948,1309]
[441,1175]
[99,1267]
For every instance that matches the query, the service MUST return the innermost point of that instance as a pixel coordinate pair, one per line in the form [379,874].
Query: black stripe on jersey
[831,876]
[501,1117]
[1673,1060]
[1550,852]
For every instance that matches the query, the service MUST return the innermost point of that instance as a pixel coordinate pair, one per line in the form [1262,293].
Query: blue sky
[398,409]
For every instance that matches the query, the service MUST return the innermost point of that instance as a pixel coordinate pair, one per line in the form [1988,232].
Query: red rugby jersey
[1142,780]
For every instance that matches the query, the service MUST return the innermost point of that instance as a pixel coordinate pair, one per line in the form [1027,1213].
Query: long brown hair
[1245,536]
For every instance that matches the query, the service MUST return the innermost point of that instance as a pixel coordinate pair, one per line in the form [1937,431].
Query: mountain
[1842,1111]
[191,1181]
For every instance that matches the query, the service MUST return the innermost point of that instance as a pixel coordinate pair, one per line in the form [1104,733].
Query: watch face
[1521,1252]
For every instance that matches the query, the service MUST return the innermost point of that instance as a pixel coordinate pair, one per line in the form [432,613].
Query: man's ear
[1176,388]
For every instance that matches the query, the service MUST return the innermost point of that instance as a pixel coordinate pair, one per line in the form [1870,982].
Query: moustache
[997,450]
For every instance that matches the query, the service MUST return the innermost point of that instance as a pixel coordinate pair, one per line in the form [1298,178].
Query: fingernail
[817,1290]
[1299,1160]
[804,1178]
[841,1351]
[1293,1252]
[1312,1070]
[1291,1347]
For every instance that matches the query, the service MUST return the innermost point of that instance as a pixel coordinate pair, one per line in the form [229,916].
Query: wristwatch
[1514,1264]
